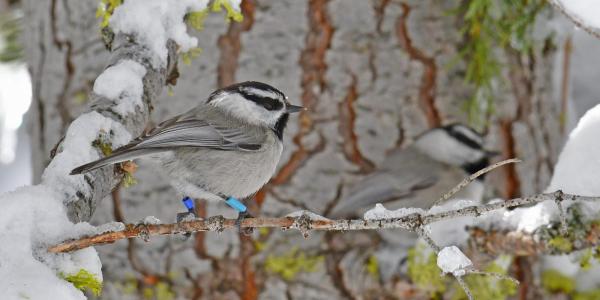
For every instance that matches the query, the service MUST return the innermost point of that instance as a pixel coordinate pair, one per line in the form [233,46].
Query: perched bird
[420,174]
[417,176]
[226,148]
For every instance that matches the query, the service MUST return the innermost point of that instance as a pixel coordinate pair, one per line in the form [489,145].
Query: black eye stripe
[245,88]
[461,137]
[266,102]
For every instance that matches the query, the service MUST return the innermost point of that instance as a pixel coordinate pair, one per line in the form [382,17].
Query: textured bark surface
[374,74]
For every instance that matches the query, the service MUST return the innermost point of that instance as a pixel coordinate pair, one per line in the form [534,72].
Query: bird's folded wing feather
[192,132]
[198,133]
[182,131]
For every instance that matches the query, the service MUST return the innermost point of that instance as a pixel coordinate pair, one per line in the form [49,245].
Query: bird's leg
[189,215]
[242,214]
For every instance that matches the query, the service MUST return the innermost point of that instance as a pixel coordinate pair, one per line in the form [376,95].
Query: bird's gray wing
[381,187]
[199,133]
[182,131]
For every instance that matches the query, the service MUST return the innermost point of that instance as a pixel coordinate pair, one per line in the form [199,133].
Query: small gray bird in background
[225,148]
[417,176]
[420,174]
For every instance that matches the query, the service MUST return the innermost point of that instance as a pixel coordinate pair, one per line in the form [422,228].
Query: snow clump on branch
[122,83]
[154,22]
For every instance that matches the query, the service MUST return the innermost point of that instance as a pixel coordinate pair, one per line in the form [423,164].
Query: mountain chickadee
[417,176]
[226,148]
[420,174]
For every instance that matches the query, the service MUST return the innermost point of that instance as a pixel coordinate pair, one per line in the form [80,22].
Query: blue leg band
[189,203]
[236,204]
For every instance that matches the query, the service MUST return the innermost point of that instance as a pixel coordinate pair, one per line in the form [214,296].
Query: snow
[31,219]
[577,172]
[451,232]
[154,22]
[452,205]
[526,219]
[586,11]
[150,220]
[122,83]
[451,260]
[380,212]
[310,214]
[578,167]
[110,227]
[77,149]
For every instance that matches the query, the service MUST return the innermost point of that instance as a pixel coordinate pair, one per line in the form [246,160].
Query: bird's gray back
[407,178]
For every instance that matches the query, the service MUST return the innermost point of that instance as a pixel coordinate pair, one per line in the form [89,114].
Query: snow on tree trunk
[374,74]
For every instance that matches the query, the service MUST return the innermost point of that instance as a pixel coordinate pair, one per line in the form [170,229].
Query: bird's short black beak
[294,108]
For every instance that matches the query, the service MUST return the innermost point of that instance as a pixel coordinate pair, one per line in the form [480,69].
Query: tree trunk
[374,74]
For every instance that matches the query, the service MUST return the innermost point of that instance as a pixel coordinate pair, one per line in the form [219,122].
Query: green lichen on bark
[489,287]
[84,280]
[289,264]
[579,228]
[424,272]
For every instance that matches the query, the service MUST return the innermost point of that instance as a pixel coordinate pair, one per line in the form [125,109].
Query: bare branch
[474,176]
[464,286]
[303,223]
[518,243]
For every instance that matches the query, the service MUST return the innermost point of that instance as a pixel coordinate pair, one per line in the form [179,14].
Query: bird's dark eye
[266,102]
[268,105]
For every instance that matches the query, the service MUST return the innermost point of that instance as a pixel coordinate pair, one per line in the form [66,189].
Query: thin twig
[464,286]
[432,244]
[427,238]
[558,199]
[303,223]
[471,178]
[495,275]
[564,86]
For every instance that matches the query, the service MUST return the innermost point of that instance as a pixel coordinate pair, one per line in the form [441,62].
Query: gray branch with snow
[128,118]
[583,13]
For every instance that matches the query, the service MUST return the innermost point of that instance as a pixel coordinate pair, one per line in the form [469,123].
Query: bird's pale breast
[230,173]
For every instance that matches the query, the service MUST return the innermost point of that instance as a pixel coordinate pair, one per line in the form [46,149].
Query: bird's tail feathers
[114,158]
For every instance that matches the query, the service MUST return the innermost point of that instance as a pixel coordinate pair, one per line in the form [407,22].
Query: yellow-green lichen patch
[84,280]
[554,281]
[291,263]
[424,272]
[489,287]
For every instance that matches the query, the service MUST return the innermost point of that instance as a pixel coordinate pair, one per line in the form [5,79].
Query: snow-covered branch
[584,14]
[119,110]
[307,221]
